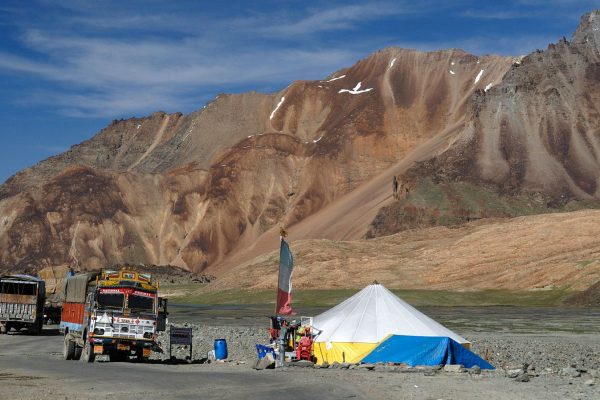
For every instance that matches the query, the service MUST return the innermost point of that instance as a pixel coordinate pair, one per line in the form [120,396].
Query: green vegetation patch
[331,297]
[455,203]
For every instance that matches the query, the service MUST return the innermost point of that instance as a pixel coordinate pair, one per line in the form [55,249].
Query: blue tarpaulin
[424,350]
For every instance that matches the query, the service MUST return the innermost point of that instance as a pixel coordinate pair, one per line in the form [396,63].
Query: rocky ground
[241,342]
[519,357]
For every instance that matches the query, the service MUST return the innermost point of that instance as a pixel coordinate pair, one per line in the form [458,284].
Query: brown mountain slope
[187,190]
[533,252]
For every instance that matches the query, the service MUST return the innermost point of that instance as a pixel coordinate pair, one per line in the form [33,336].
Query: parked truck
[54,277]
[21,303]
[116,313]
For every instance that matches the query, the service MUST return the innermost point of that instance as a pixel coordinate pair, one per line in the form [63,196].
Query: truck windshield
[143,303]
[9,287]
[110,300]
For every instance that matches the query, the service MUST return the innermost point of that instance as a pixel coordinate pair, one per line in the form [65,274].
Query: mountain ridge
[207,190]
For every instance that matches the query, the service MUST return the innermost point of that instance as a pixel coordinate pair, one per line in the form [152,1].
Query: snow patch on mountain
[478,77]
[277,108]
[356,89]
[335,79]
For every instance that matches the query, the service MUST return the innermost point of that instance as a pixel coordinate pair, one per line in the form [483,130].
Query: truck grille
[17,311]
[125,331]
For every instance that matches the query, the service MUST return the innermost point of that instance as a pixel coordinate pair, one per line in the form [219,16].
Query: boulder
[454,368]
[513,373]
[571,372]
[369,367]
[301,363]
[475,370]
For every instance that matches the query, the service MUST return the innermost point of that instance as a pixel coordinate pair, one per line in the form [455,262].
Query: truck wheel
[87,354]
[38,327]
[68,348]
[139,356]
[77,354]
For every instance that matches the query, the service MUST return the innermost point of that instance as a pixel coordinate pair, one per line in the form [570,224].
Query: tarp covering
[55,278]
[371,315]
[421,350]
[341,352]
[77,286]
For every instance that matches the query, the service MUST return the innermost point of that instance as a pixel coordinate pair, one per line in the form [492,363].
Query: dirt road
[31,367]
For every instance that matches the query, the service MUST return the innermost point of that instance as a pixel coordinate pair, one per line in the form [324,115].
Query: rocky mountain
[539,129]
[206,190]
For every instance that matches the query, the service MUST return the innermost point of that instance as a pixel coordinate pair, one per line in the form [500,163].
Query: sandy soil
[534,252]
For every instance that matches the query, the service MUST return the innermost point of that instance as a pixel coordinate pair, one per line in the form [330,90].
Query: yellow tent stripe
[342,352]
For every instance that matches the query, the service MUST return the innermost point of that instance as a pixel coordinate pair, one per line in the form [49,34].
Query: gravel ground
[529,365]
[546,353]
[241,342]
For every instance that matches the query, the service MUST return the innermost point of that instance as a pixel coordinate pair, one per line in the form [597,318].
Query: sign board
[181,337]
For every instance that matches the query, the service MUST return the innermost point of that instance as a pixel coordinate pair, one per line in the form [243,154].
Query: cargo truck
[22,303]
[54,278]
[114,313]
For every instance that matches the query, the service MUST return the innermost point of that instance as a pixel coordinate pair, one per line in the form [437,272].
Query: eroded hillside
[190,190]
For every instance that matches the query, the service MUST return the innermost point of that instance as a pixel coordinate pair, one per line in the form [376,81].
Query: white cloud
[99,74]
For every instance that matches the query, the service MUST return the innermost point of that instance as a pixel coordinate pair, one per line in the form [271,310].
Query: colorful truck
[21,303]
[116,313]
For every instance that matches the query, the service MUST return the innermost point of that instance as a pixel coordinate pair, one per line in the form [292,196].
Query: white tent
[354,327]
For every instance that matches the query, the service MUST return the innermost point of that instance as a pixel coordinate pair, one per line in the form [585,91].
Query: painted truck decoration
[21,303]
[115,313]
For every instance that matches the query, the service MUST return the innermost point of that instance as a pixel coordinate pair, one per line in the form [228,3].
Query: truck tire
[37,327]
[139,356]
[68,348]
[87,354]
[77,354]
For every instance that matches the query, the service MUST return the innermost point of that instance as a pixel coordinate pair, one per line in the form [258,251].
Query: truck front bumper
[108,345]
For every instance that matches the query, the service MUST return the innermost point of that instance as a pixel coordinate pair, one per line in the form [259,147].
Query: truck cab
[119,318]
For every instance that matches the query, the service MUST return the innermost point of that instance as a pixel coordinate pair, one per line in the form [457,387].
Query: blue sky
[69,67]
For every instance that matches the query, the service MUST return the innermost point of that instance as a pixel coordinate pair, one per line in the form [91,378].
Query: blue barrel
[220,349]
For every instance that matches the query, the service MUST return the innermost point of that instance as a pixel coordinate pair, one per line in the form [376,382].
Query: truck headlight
[148,335]
[99,331]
